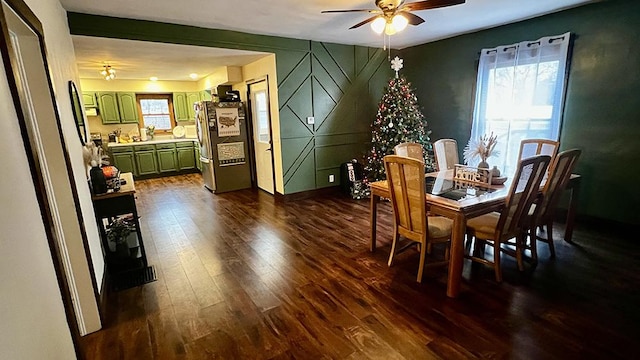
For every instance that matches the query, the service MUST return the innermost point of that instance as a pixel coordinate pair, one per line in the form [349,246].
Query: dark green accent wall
[602,109]
[339,85]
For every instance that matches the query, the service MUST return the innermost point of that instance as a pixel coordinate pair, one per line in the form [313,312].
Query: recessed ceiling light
[193,76]
[153,78]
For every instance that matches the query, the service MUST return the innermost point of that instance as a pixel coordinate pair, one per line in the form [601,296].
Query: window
[156,110]
[520,93]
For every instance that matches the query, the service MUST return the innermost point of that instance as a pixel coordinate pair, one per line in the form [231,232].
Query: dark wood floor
[243,277]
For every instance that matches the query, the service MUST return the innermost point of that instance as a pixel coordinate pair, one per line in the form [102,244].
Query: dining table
[447,197]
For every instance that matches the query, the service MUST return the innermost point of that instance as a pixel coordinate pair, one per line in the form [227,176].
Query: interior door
[259,92]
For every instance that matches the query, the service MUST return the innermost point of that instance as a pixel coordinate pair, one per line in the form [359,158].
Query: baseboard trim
[103,296]
[306,194]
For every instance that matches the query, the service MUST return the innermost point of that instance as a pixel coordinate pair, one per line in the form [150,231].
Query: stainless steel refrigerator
[224,147]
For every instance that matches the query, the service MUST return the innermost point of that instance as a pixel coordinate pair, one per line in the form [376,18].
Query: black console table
[129,268]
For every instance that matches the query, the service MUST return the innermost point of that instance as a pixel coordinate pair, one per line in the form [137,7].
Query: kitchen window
[156,110]
[520,95]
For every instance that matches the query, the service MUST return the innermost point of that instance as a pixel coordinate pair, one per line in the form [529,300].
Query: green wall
[602,108]
[339,85]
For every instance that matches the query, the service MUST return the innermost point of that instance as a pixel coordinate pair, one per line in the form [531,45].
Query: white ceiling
[142,59]
[294,19]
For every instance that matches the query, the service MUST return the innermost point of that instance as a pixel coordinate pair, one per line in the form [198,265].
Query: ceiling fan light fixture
[399,22]
[378,25]
[389,29]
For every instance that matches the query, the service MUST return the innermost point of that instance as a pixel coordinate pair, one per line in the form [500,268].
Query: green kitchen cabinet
[183,105]
[196,151]
[167,161]
[122,158]
[128,107]
[186,156]
[145,157]
[205,95]
[192,98]
[117,107]
[89,99]
[108,106]
[180,106]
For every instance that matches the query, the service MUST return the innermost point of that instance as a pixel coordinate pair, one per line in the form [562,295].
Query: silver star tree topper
[396,64]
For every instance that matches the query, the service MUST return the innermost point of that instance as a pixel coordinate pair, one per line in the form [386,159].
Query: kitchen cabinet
[205,95]
[156,159]
[122,158]
[196,150]
[183,105]
[128,107]
[145,158]
[166,157]
[108,106]
[186,156]
[89,99]
[117,107]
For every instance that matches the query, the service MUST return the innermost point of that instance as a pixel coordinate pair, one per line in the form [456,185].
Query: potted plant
[482,148]
[117,232]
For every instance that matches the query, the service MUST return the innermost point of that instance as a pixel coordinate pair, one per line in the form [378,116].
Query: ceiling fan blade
[348,11]
[412,18]
[364,22]
[430,4]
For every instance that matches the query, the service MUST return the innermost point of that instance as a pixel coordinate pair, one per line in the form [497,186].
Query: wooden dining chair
[532,147]
[409,149]
[446,154]
[543,211]
[500,227]
[405,177]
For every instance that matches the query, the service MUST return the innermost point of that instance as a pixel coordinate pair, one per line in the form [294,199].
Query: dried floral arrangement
[483,148]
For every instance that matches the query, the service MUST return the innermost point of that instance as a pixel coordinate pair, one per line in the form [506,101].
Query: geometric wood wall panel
[332,85]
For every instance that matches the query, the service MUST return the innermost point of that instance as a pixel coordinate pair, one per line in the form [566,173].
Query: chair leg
[533,243]
[423,256]
[496,261]
[520,239]
[396,237]
[429,248]
[552,249]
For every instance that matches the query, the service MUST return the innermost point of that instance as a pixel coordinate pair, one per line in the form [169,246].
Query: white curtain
[520,93]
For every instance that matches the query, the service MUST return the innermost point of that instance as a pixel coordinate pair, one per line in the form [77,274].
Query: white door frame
[249,83]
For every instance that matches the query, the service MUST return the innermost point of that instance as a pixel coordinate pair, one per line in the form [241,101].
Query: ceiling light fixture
[153,78]
[389,24]
[193,76]
[108,72]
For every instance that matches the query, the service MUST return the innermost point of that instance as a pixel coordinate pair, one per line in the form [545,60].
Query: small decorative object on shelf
[150,132]
[482,148]
[118,230]
[98,181]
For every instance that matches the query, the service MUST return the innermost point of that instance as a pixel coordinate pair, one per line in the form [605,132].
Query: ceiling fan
[394,15]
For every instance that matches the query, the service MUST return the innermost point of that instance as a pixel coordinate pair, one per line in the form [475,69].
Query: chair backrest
[446,154]
[532,147]
[405,177]
[560,173]
[409,149]
[524,190]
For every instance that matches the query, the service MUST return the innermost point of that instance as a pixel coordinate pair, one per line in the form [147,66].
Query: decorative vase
[98,181]
[495,172]
[483,165]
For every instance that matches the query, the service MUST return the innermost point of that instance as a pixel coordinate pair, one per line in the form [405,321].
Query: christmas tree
[399,120]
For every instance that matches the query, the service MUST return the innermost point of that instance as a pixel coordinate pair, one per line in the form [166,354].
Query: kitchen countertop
[154,141]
